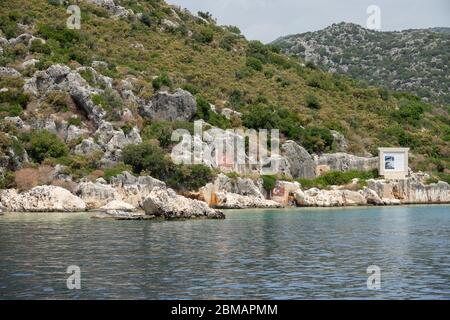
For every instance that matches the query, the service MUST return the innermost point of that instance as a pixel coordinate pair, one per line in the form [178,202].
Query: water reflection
[284,254]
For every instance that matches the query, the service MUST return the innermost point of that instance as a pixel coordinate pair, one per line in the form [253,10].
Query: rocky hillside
[411,60]
[88,104]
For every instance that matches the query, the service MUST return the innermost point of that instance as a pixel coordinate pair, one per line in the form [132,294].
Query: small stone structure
[393,162]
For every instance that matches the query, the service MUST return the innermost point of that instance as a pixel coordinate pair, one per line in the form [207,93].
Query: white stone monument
[393,162]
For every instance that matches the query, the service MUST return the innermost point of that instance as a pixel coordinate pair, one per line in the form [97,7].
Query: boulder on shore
[168,204]
[117,205]
[96,195]
[410,190]
[41,199]
[328,198]
[227,200]
[122,215]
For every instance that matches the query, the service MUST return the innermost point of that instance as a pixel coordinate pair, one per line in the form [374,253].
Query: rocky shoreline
[127,197]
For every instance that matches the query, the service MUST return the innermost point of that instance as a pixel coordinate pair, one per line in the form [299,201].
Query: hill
[411,60]
[75,99]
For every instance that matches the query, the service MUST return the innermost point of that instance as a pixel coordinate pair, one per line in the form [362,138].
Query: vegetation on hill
[165,47]
[411,60]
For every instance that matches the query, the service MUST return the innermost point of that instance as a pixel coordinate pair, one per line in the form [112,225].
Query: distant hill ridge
[415,60]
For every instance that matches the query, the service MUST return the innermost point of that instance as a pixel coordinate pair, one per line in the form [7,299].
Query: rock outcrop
[61,78]
[125,188]
[236,193]
[284,191]
[328,198]
[180,105]
[239,186]
[340,141]
[117,205]
[122,215]
[227,200]
[344,162]
[96,195]
[230,113]
[9,72]
[112,141]
[371,197]
[134,190]
[410,191]
[41,199]
[168,204]
[116,11]
[87,146]
[301,163]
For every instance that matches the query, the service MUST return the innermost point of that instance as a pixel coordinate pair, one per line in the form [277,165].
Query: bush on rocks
[44,144]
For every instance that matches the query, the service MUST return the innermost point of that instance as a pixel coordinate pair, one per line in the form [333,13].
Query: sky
[266,20]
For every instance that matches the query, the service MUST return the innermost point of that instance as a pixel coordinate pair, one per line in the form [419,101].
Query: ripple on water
[260,254]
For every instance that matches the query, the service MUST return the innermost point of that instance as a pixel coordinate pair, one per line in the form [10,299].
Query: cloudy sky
[266,20]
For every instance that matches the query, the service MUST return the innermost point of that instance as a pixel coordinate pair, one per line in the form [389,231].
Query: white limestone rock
[168,204]
[42,199]
[119,205]
[227,200]
[96,195]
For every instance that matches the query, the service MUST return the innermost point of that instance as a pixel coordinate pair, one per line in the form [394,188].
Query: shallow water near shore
[297,253]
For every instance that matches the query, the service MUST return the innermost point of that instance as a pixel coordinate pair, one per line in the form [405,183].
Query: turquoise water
[261,254]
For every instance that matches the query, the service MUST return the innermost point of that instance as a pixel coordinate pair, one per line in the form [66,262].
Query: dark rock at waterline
[123,215]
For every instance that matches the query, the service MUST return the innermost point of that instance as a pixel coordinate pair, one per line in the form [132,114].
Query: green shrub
[108,173]
[311,65]
[39,47]
[384,93]
[65,37]
[13,100]
[74,121]
[158,82]
[44,144]
[254,63]
[54,2]
[337,178]
[109,100]
[193,89]
[126,128]
[147,157]
[205,35]
[258,50]
[88,75]
[8,24]
[192,177]
[444,176]
[311,101]
[243,73]
[227,42]
[57,100]
[269,182]
[204,112]
[409,112]
[316,139]
[7,180]
[78,166]
[262,116]
[10,110]
[319,81]
[148,19]
[236,99]
[161,131]
[234,29]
